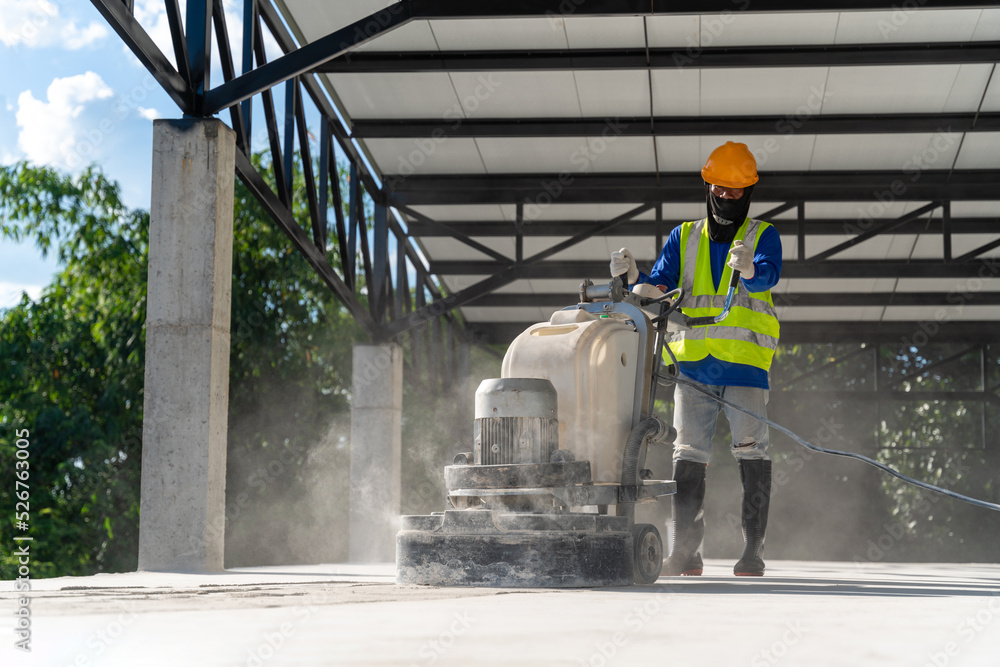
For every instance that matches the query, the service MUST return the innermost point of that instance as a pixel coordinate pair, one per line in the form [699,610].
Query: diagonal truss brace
[504,277]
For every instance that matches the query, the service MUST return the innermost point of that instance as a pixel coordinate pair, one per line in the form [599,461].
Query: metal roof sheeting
[792,94]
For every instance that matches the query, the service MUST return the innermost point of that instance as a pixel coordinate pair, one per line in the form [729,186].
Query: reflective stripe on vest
[749,335]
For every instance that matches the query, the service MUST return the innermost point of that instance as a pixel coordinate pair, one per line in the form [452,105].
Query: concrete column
[376,443]
[183,499]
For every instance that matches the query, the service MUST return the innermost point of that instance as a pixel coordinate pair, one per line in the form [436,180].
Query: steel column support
[249,32]
[199,47]
[289,144]
[271,121]
[354,203]
[173,11]
[308,176]
[229,73]
[324,182]
[338,202]
[402,300]
[380,264]
[366,255]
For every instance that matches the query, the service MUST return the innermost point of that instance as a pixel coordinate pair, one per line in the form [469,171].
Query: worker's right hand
[622,262]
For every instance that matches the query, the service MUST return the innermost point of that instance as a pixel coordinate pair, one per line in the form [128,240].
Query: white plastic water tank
[591,362]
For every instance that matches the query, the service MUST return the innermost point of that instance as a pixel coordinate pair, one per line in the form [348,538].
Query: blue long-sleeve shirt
[767,270]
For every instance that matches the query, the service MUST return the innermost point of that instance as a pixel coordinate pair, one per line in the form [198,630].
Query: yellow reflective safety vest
[749,335]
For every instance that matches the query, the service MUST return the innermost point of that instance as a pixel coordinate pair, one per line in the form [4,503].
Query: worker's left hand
[741,259]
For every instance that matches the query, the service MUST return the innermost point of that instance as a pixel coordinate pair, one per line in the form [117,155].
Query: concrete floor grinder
[559,439]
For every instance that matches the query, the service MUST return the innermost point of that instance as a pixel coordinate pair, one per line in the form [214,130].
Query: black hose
[823,450]
[630,458]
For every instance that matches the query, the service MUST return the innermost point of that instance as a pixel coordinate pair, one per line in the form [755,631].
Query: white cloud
[149,114]
[10,293]
[51,131]
[152,16]
[38,23]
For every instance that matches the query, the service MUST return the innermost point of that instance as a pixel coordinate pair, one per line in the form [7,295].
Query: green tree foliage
[71,373]
[73,368]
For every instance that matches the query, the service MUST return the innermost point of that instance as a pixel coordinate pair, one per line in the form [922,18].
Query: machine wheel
[648,553]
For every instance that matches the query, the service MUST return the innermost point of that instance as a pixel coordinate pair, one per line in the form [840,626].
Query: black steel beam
[903,333]
[307,57]
[972,254]
[787,124]
[877,187]
[804,55]
[452,9]
[883,227]
[816,227]
[274,23]
[148,53]
[300,239]
[176,26]
[448,231]
[917,268]
[377,293]
[228,66]
[198,32]
[504,275]
[792,299]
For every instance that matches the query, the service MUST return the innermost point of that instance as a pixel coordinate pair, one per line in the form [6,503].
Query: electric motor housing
[516,421]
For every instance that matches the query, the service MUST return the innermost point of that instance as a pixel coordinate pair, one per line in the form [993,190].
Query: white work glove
[741,259]
[622,262]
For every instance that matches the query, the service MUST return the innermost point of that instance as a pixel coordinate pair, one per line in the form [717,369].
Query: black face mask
[725,216]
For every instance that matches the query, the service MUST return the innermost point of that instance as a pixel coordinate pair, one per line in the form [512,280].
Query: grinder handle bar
[734,282]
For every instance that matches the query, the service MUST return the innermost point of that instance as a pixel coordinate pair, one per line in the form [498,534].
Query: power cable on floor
[823,450]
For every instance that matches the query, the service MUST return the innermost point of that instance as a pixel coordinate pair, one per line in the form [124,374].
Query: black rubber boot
[688,520]
[756,477]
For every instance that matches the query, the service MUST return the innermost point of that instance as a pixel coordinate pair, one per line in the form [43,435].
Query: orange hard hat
[731,165]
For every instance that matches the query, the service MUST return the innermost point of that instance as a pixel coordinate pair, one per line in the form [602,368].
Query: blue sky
[72,95]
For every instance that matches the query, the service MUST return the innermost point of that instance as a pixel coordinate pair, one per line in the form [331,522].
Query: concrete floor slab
[802,613]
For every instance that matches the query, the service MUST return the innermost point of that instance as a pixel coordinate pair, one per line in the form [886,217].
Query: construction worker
[730,359]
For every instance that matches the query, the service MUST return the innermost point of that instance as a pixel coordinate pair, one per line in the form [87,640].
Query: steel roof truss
[803,55]
[875,231]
